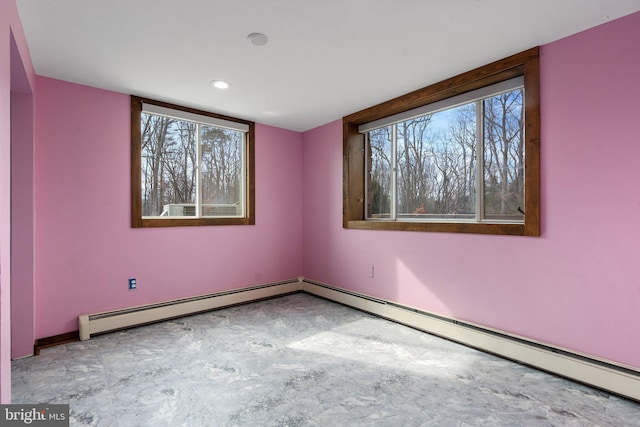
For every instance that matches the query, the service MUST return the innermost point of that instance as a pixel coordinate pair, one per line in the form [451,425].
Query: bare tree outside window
[221,170]
[435,163]
[170,168]
[504,155]
[379,176]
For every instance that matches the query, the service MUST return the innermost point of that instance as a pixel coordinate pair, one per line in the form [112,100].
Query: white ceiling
[324,59]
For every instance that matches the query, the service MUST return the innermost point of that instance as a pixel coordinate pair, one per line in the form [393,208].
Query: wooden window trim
[522,64]
[137,221]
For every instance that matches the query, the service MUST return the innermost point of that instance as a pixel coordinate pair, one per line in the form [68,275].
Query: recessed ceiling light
[219,84]
[257,39]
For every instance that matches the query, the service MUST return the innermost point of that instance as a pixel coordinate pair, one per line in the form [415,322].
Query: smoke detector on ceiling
[257,39]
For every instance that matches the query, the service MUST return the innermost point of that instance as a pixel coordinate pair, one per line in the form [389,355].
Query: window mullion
[243,175]
[480,161]
[367,175]
[198,172]
[394,173]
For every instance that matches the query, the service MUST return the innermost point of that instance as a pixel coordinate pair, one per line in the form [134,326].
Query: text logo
[34,415]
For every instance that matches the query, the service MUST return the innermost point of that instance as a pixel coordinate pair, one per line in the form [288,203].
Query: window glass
[379,185]
[168,166]
[436,165]
[222,171]
[504,156]
[426,168]
[170,180]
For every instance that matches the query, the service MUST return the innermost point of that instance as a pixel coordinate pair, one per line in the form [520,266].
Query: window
[426,167]
[190,167]
[459,156]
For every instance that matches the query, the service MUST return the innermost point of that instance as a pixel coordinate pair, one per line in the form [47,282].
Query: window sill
[448,227]
[195,222]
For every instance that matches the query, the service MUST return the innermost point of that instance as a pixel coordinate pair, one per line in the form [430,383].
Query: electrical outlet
[133,284]
[370,271]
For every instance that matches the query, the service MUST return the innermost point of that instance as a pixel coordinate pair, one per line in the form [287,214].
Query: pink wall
[22,225]
[576,286]
[5,200]
[85,247]
[14,59]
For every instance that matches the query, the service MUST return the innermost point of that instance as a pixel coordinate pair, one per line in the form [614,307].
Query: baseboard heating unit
[611,376]
[91,324]
[607,375]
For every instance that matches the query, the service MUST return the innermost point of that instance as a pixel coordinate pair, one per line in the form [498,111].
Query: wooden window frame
[137,220]
[524,64]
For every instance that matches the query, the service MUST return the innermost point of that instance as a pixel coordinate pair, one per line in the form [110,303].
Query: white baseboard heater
[604,374]
[91,324]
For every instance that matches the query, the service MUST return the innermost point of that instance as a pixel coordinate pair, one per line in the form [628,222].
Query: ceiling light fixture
[219,84]
[257,39]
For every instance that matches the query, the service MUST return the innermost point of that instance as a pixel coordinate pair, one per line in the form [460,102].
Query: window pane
[379,172]
[168,173]
[504,156]
[222,174]
[437,165]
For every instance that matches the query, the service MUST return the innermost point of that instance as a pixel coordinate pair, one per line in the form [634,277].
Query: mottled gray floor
[300,361]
